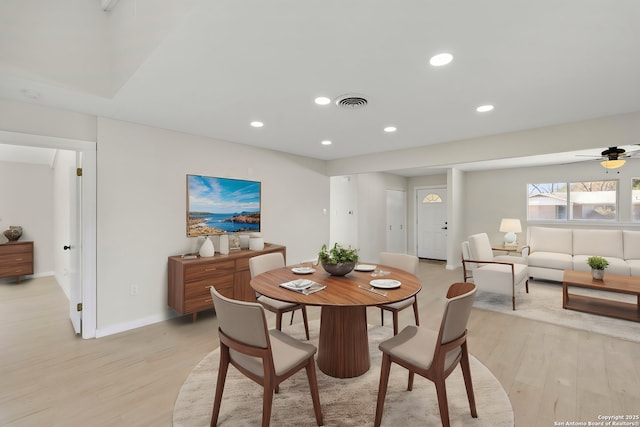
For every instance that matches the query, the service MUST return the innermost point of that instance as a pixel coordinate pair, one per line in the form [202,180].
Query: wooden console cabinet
[16,259]
[190,279]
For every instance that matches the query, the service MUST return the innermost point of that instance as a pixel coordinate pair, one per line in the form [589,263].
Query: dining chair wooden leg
[279,321]
[305,320]
[315,395]
[466,374]
[385,368]
[410,381]
[222,375]
[267,401]
[441,391]
[291,321]
[415,311]
[381,317]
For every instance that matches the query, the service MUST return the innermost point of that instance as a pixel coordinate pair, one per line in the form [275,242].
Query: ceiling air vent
[351,102]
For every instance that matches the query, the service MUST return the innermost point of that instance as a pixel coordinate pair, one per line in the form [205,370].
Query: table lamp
[510,226]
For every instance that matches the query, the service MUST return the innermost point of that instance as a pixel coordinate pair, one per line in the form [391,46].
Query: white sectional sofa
[553,250]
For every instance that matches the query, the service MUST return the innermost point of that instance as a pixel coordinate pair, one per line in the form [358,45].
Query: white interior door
[396,221]
[431,214]
[74,246]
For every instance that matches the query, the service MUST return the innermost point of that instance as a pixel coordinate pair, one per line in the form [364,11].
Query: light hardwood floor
[50,377]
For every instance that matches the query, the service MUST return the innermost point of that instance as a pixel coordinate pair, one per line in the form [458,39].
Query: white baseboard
[138,323]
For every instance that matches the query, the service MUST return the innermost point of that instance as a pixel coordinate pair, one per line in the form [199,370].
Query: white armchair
[500,274]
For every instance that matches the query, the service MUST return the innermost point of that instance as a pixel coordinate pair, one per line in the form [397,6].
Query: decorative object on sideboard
[510,226]
[256,243]
[244,241]
[13,233]
[597,264]
[234,242]
[338,261]
[207,249]
[223,246]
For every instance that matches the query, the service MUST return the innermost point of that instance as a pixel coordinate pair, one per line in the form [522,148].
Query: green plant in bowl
[338,260]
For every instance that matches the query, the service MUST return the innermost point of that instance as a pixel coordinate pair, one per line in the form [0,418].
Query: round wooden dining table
[343,347]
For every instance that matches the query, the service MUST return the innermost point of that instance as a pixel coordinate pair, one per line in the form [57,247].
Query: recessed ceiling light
[390,129]
[257,124]
[326,142]
[322,100]
[441,59]
[484,108]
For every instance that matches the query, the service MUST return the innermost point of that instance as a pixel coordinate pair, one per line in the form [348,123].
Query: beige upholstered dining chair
[258,265]
[268,357]
[500,274]
[407,263]
[433,354]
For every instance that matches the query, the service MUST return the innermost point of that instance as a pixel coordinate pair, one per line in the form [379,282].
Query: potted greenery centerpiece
[597,264]
[338,261]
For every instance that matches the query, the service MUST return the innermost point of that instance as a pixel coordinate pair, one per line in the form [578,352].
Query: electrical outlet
[134,290]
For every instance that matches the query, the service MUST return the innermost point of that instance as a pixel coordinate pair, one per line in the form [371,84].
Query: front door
[431,214]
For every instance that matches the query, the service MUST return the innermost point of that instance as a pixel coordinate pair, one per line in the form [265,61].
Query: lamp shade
[510,225]
[613,164]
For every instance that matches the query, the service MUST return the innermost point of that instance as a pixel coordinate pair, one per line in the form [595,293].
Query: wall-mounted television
[222,205]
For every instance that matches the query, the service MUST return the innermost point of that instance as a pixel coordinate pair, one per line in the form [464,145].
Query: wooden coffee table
[601,306]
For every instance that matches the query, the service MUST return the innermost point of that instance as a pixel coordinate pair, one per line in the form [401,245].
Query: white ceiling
[227,63]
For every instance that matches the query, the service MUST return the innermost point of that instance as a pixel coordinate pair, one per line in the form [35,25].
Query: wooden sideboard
[190,279]
[16,259]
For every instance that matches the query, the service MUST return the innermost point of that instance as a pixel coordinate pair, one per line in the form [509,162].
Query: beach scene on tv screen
[222,205]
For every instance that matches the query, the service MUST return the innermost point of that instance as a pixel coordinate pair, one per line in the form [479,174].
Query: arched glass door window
[432,198]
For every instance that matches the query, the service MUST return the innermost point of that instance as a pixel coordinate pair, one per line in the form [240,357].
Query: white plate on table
[385,283]
[364,267]
[303,270]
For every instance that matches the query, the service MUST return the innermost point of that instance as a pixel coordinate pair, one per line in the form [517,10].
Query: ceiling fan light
[612,164]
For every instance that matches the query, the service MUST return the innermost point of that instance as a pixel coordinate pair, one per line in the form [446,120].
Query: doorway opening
[83,291]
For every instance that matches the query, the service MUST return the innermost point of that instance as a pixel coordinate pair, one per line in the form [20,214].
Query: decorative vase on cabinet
[207,249]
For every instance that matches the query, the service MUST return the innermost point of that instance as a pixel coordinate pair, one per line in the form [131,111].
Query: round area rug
[345,402]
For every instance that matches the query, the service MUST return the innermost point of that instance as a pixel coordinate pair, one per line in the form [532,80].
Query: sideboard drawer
[201,287]
[208,270]
[15,270]
[16,259]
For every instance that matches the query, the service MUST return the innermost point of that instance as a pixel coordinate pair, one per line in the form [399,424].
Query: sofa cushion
[494,279]
[554,260]
[545,239]
[616,265]
[604,243]
[634,267]
[631,243]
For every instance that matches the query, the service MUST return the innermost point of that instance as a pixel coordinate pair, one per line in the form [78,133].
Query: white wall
[344,211]
[142,210]
[26,192]
[358,211]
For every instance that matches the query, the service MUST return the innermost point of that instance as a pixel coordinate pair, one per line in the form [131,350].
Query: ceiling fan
[614,157]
